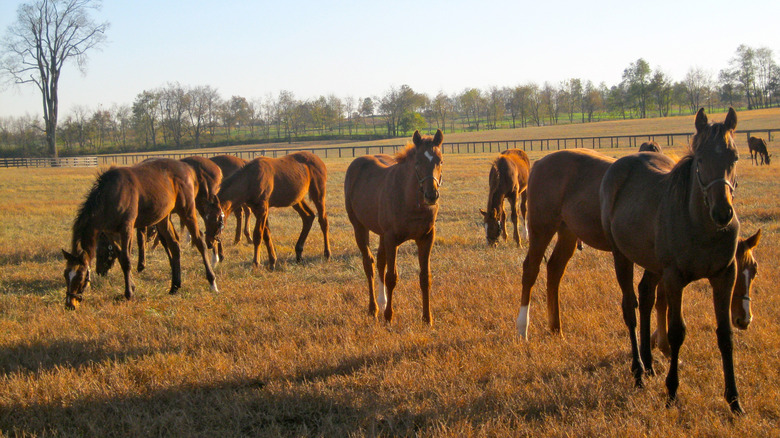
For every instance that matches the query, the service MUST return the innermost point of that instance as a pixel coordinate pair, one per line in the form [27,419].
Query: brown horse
[230,165]
[690,232]
[741,316]
[208,177]
[650,146]
[397,198]
[123,198]
[757,147]
[276,182]
[508,179]
[563,190]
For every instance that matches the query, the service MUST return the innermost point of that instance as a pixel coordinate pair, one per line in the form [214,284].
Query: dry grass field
[293,352]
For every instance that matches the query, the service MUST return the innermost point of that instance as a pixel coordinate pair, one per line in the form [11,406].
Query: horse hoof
[649,371]
[174,290]
[141,268]
[736,408]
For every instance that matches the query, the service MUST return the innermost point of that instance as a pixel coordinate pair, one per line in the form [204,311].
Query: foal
[508,179]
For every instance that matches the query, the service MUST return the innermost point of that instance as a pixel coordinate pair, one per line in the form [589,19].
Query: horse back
[208,174]
[164,186]
[758,145]
[228,164]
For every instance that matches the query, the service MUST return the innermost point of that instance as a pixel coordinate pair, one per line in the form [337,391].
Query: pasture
[293,352]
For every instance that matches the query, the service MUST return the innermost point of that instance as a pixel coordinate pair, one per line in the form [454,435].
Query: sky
[358,49]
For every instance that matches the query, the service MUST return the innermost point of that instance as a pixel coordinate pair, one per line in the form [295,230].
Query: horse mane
[405,154]
[86,210]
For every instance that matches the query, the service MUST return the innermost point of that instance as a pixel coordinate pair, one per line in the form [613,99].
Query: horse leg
[322,218]
[166,232]
[624,271]
[391,275]
[722,287]
[523,211]
[140,236]
[646,289]
[513,210]
[126,239]
[660,337]
[247,212]
[559,258]
[191,222]
[502,220]
[269,244]
[673,285]
[261,213]
[362,240]
[424,246]
[538,239]
[307,217]
[238,212]
[381,264]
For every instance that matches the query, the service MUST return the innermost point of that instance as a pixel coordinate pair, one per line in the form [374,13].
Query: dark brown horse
[277,182]
[208,178]
[563,192]
[508,179]
[689,232]
[757,147]
[650,146]
[395,197]
[230,165]
[123,198]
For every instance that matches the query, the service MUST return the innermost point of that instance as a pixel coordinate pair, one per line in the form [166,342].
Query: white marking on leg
[381,295]
[429,156]
[525,230]
[214,287]
[214,258]
[522,322]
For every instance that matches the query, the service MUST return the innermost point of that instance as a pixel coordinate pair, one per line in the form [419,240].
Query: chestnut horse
[230,165]
[208,177]
[508,179]
[757,147]
[276,182]
[690,232]
[650,146]
[396,197]
[123,198]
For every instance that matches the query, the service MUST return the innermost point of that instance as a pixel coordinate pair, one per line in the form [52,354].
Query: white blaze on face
[486,231]
[429,156]
[381,295]
[522,322]
[71,276]
[746,303]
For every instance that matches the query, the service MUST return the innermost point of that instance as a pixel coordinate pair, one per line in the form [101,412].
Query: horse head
[492,223]
[714,164]
[427,164]
[106,254]
[214,218]
[77,277]
[747,269]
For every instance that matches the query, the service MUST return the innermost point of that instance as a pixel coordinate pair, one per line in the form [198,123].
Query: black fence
[49,162]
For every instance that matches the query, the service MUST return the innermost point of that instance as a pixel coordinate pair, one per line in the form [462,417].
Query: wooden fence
[49,162]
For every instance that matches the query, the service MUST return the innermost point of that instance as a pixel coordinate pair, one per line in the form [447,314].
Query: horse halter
[705,188]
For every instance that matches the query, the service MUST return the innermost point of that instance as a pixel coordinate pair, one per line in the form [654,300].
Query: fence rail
[49,162]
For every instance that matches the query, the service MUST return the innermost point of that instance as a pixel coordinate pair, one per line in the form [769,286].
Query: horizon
[363,50]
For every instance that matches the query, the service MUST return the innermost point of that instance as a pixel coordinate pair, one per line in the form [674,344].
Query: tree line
[176,116]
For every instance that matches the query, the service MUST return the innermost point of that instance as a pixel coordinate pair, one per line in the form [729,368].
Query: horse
[757,147]
[123,198]
[508,178]
[276,182]
[397,198]
[563,190]
[650,146]
[230,165]
[689,232]
[741,316]
[208,177]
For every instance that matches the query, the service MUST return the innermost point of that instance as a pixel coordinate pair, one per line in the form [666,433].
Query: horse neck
[232,192]
[406,177]
[697,209]
[496,195]
[84,238]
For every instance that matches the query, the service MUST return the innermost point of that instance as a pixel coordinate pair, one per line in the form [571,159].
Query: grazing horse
[563,190]
[741,316]
[276,182]
[208,177]
[508,179]
[123,198]
[230,165]
[758,149]
[650,146]
[396,197]
[689,231]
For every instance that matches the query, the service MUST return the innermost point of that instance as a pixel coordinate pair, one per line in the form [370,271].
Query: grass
[293,352]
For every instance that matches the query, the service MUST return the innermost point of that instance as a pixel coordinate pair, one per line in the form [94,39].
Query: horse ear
[438,139]
[70,258]
[752,241]
[701,121]
[483,212]
[731,120]
[417,138]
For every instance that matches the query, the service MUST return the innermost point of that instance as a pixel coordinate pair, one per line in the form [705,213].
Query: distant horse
[396,197]
[123,198]
[650,146]
[208,177]
[689,231]
[563,193]
[758,149]
[230,165]
[277,182]
[508,179]
[741,316]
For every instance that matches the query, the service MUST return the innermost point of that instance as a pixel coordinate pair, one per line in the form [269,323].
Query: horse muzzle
[742,324]
[722,216]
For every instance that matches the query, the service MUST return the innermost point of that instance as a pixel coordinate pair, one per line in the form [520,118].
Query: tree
[46,35]
[697,84]
[202,100]
[661,92]
[637,83]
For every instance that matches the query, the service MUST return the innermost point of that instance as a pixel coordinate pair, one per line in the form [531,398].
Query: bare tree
[203,100]
[47,34]
[697,83]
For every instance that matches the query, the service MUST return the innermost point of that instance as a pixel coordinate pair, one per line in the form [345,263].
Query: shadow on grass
[38,286]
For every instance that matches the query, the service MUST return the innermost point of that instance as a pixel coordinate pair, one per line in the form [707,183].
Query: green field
[294,353]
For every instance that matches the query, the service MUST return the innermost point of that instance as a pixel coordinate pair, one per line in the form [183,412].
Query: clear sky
[362,48]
